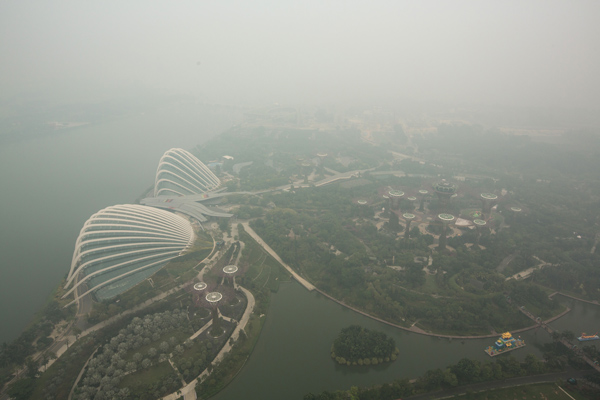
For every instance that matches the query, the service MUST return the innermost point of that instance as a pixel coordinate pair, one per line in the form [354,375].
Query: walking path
[199,331]
[413,328]
[420,331]
[525,274]
[189,391]
[595,302]
[61,346]
[564,341]
[268,248]
[81,373]
[70,340]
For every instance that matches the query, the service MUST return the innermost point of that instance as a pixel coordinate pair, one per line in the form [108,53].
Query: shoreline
[310,287]
[433,334]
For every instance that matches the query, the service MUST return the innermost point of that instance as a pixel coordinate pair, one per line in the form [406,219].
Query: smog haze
[535,53]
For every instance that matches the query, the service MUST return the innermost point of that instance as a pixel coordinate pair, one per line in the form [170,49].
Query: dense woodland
[357,272]
[357,345]
[464,372]
[556,357]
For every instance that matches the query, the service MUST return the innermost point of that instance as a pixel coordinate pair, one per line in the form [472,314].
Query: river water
[51,185]
[291,357]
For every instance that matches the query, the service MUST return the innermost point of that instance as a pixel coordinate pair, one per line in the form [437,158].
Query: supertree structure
[387,201]
[408,217]
[229,272]
[213,299]
[444,190]
[479,224]
[487,201]
[412,200]
[423,193]
[395,196]
[445,218]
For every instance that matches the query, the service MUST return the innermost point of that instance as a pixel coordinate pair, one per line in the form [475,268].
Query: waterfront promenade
[309,286]
[412,328]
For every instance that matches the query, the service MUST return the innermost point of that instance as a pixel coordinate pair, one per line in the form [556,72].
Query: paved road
[479,387]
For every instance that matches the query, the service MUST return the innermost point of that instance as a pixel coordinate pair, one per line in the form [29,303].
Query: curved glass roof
[122,245]
[180,173]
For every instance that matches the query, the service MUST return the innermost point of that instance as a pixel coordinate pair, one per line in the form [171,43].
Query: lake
[291,357]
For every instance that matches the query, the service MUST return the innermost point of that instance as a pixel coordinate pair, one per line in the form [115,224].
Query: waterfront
[52,184]
[292,359]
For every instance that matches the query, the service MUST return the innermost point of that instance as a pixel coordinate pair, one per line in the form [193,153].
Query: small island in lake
[356,345]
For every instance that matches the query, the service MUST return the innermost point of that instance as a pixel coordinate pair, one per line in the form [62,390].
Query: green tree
[533,365]
[21,389]
[466,371]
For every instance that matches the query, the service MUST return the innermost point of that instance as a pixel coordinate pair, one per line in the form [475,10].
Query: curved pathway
[413,328]
[420,331]
[62,345]
[269,250]
[189,391]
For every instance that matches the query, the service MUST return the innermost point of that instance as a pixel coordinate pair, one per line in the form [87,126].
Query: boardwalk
[564,341]
[413,328]
[418,330]
[269,250]
[595,302]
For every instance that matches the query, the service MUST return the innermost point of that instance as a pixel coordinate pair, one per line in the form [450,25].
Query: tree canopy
[356,343]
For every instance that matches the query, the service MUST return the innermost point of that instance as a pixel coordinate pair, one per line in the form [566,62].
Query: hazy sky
[533,53]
